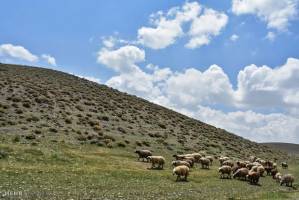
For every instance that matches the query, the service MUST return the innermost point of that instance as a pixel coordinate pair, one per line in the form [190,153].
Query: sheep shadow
[255,184]
[156,168]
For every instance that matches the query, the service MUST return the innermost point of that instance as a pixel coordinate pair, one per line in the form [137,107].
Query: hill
[287,147]
[63,137]
[40,104]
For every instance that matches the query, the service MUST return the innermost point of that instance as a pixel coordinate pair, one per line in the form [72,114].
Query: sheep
[196,156]
[143,154]
[160,160]
[225,170]
[205,163]
[178,157]
[189,159]
[249,166]
[181,171]
[235,168]
[274,172]
[180,162]
[252,158]
[241,164]
[241,173]
[222,159]
[260,169]
[277,177]
[284,165]
[287,179]
[253,177]
[210,158]
[228,162]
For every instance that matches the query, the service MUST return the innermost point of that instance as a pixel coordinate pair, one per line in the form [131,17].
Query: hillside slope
[287,147]
[41,105]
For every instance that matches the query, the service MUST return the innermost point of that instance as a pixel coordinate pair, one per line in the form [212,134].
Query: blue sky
[73,35]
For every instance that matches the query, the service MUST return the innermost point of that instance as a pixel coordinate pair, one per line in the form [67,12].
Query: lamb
[143,154]
[287,179]
[284,165]
[159,160]
[205,163]
[225,170]
[228,162]
[181,171]
[241,173]
[180,162]
[210,158]
[253,177]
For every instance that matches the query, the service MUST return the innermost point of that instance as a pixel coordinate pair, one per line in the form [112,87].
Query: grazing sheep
[196,156]
[277,177]
[143,154]
[225,170]
[241,173]
[191,163]
[235,168]
[268,170]
[249,166]
[210,158]
[228,162]
[241,164]
[284,165]
[205,163]
[189,158]
[253,177]
[287,179]
[222,159]
[159,160]
[181,171]
[178,157]
[180,162]
[260,169]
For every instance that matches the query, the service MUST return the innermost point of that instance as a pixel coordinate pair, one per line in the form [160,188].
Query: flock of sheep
[250,170]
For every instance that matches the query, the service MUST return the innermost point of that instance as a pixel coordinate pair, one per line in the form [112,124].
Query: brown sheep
[180,162]
[159,160]
[222,159]
[241,164]
[211,159]
[274,172]
[143,154]
[277,177]
[205,163]
[225,170]
[252,158]
[253,177]
[190,159]
[235,168]
[241,173]
[181,171]
[287,179]
[228,162]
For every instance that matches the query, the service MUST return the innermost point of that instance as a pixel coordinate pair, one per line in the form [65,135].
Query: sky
[231,63]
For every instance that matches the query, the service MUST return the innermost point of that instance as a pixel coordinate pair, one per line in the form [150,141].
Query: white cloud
[168,27]
[234,37]
[267,87]
[274,127]
[276,13]
[19,52]
[122,59]
[271,36]
[203,28]
[49,59]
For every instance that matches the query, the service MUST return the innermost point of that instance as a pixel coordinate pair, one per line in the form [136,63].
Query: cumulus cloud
[18,52]
[277,14]
[267,87]
[168,27]
[271,36]
[122,59]
[49,59]
[203,28]
[195,93]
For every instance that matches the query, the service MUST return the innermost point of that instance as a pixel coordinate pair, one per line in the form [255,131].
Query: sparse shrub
[68,120]
[81,138]
[104,118]
[121,144]
[38,132]
[53,130]
[26,105]
[19,111]
[30,137]
[138,143]
[16,139]
[146,143]
[162,125]
[3,154]
[122,130]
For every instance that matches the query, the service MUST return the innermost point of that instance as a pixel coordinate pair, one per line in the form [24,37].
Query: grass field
[61,171]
